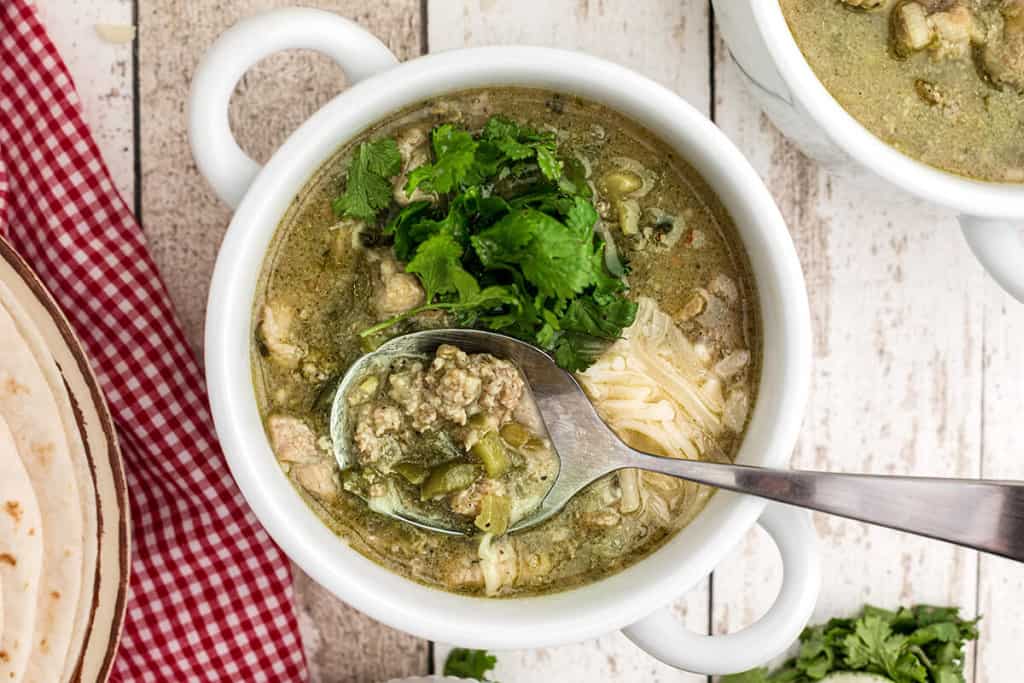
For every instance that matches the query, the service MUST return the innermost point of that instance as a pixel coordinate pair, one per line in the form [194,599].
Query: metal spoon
[983,514]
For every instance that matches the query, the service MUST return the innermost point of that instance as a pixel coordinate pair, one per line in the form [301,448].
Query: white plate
[97,431]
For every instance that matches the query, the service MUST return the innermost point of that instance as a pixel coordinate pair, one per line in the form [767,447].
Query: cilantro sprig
[507,242]
[472,664]
[368,186]
[921,644]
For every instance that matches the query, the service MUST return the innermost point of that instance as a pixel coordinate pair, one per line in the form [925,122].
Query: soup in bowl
[542,194]
[925,94]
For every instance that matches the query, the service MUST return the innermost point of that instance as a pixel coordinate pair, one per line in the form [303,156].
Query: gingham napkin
[210,595]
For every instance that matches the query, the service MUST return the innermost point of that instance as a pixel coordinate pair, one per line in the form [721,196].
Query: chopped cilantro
[507,241]
[455,152]
[368,187]
[922,644]
[472,664]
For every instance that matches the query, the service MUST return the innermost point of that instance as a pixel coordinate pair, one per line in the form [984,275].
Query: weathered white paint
[918,367]
[666,40]
[609,659]
[103,75]
[1001,582]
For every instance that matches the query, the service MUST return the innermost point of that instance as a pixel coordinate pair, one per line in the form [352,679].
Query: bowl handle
[999,245]
[661,635]
[221,161]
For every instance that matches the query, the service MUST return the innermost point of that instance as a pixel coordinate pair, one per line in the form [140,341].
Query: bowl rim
[592,609]
[969,196]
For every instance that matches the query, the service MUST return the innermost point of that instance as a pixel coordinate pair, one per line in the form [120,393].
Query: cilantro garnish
[368,187]
[472,664]
[455,153]
[507,241]
[922,644]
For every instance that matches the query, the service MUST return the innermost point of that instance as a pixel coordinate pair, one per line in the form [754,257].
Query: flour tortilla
[83,475]
[21,558]
[34,419]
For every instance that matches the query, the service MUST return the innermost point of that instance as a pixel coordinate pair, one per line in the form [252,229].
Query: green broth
[978,133]
[314,270]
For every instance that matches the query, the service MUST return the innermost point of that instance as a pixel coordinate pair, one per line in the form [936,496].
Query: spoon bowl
[582,441]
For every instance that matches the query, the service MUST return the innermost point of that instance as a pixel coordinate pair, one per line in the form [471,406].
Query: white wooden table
[918,358]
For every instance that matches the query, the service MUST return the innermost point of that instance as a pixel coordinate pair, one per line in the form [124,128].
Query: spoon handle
[984,514]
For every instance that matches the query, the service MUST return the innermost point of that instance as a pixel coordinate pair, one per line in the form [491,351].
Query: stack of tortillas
[52,523]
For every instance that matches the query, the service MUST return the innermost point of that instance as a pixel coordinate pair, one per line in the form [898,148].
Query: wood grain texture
[668,41]
[896,302]
[1001,582]
[182,218]
[184,223]
[345,646]
[103,76]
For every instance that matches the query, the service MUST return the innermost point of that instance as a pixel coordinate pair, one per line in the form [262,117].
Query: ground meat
[468,385]
[379,431]
[443,396]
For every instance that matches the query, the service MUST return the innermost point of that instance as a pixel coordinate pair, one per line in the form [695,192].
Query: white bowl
[991,214]
[261,197]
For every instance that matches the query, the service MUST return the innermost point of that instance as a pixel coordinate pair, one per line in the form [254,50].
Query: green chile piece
[515,434]
[412,472]
[447,478]
[491,453]
[494,514]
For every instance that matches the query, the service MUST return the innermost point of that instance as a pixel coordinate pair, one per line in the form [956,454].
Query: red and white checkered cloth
[210,597]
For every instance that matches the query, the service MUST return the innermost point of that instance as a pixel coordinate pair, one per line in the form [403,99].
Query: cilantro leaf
[473,664]
[873,647]
[549,164]
[518,142]
[923,644]
[438,264]
[505,135]
[943,631]
[586,316]
[551,257]
[575,352]
[581,218]
[507,242]
[368,185]
[454,153]
[753,676]
[406,228]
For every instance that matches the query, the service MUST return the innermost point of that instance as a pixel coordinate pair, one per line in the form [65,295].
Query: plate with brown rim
[106,574]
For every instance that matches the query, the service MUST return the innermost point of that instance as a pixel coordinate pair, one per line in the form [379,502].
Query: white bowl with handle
[781,80]
[634,600]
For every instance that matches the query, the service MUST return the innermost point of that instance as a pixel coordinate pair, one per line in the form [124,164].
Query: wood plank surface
[103,75]
[896,301]
[669,43]
[1001,582]
[184,223]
